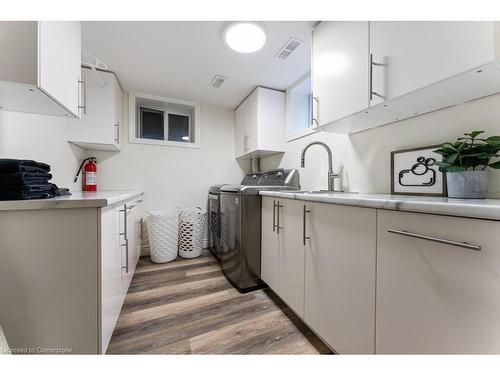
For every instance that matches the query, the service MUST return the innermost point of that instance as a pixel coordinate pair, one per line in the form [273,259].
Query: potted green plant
[465,162]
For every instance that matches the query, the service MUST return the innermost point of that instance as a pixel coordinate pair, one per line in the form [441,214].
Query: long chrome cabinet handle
[278,206]
[125,234]
[117,132]
[436,239]
[315,119]
[304,223]
[126,255]
[372,93]
[370,80]
[274,216]
[83,82]
[245,142]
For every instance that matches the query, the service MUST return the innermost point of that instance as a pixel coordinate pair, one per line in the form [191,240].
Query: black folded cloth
[9,181]
[42,191]
[16,165]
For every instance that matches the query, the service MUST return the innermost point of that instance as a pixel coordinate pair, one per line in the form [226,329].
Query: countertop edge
[77,200]
[405,204]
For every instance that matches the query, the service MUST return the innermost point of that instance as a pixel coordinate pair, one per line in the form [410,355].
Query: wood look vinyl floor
[188,307]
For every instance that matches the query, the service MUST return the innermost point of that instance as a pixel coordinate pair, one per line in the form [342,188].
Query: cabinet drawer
[433,294]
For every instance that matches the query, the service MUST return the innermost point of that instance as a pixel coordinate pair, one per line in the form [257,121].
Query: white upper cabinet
[240,128]
[389,71]
[59,59]
[40,67]
[340,70]
[99,127]
[408,56]
[260,124]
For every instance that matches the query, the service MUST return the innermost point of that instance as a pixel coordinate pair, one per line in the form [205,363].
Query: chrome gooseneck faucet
[331,175]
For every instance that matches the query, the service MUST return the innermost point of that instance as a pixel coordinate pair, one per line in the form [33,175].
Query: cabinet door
[435,297]
[340,276]
[252,121]
[98,127]
[59,49]
[117,122]
[291,249]
[135,215]
[112,295]
[271,113]
[412,55]
[240,130]
[340,69]
[269,245]
[128,243]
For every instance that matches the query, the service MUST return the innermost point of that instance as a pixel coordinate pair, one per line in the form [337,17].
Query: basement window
[163,121]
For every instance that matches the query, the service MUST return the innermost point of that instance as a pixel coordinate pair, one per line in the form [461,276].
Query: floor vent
[217,81]
[288,48]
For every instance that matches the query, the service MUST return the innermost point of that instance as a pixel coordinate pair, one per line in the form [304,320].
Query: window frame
[193,118]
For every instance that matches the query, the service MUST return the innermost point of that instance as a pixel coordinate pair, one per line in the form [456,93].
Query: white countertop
[78,199]
[477,208]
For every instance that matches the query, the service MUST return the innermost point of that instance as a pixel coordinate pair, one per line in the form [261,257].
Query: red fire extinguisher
[89,176]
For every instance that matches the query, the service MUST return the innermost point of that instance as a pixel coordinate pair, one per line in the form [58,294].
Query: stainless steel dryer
[240,224]
[214,220]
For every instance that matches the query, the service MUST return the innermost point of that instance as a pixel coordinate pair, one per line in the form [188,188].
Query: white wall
[174,176]
[170,176]
[366,156]
[42,138]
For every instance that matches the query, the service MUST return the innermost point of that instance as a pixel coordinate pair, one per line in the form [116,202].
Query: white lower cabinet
[340,276]
[437,297]
[63,278]
[111,272]
[131,240]
[328,279]
[121,238]
[283,251]
[270,259]
[290,219]
[379,281]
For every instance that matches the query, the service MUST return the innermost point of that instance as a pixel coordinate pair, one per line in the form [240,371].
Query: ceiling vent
[217,81]
[288,48]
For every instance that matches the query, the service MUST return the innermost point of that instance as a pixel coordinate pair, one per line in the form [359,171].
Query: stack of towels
[25,179]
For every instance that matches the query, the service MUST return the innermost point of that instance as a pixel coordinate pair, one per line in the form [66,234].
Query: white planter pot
[468,184]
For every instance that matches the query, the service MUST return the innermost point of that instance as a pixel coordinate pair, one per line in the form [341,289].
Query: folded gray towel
[18,165]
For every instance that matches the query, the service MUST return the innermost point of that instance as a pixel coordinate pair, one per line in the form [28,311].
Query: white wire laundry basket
[163,233]
[192,226]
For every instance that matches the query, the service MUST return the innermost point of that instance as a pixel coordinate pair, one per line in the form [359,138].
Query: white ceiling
[179,59]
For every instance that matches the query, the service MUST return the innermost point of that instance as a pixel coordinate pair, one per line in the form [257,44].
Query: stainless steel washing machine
[240,224]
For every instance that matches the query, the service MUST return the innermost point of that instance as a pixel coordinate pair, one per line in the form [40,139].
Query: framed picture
[414,172]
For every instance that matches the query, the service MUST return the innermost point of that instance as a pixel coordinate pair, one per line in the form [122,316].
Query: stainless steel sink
[326,192]
[313,192]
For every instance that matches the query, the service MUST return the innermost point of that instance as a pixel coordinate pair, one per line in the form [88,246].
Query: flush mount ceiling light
[245,37]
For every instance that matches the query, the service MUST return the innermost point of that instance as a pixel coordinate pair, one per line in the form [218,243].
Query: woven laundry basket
[163,233]
[192,225]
